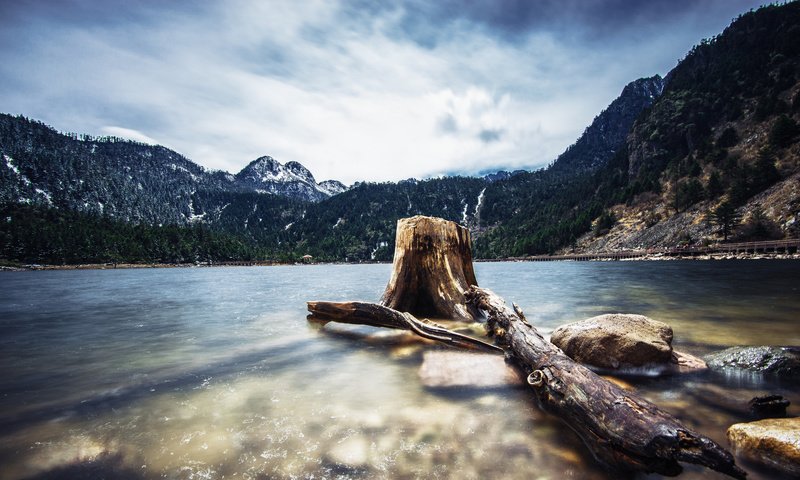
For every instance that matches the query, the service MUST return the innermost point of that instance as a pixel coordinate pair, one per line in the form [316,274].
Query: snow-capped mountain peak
[267,175]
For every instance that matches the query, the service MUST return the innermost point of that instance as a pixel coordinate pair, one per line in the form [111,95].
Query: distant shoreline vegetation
[37,238]
[48,236]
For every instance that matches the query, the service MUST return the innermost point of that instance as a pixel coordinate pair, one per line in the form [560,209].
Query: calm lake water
[215,372]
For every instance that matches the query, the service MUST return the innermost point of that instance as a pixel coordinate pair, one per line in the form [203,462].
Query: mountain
[539,212]
[610,128]
[331,187]
[130,181]
[723,135]
[359,224]
[267,175]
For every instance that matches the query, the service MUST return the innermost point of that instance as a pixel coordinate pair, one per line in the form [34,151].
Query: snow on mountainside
[332,187]
[131,181]
[267,175]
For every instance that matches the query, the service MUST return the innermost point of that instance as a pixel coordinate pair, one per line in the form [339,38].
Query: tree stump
[432,270]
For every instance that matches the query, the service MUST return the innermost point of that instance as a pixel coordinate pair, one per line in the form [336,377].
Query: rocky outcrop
[774,443]
[779,361]
[615,340]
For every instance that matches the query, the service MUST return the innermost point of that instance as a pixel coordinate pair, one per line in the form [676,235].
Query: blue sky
[354,90]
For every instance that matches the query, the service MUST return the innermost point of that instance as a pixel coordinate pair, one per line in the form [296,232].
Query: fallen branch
[362,313]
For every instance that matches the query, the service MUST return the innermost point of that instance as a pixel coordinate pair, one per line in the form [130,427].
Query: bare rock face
[614,340]
[773,442]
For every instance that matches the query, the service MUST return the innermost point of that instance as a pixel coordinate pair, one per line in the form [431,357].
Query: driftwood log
[622,430]
[432,270]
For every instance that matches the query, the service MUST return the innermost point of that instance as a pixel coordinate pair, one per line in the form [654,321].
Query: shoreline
[643,258]
[656,257]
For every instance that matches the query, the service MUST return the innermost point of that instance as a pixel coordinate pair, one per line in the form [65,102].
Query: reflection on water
[205,373]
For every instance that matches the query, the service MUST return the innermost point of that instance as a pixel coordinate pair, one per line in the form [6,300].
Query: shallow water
[211,373]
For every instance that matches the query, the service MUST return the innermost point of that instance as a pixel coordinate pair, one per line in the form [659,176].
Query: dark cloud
[448,124]
[489,136]
[429,23]
[85,13]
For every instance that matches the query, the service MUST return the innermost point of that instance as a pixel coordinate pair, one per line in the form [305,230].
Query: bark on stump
[432,270]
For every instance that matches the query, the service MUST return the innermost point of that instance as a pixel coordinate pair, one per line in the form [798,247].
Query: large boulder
[774,442]
[616,340]
[781,361]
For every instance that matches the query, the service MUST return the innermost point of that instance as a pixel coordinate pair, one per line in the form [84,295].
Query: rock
[774,443]
[685,363]
[445,368]
[350,453]
[780,361]
[769,406]
[615,340]
[739,402]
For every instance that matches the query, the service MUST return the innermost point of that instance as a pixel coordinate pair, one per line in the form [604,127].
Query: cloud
[353,90]
[489,136]
[128,133]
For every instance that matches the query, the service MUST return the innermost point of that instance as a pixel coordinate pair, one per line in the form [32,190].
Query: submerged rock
[774,443]
[350,453]
[782,361]
[685,363]
[615,340]
[445,368]
[769,406]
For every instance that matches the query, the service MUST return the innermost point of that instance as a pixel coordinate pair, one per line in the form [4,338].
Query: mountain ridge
[128,180]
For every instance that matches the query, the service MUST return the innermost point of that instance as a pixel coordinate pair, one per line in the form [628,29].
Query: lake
[215,372]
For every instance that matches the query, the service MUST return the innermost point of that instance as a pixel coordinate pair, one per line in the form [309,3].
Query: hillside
[724,135]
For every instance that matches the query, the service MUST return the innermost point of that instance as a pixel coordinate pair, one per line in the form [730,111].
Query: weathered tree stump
[432,270]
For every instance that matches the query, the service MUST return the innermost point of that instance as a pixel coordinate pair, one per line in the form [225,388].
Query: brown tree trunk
[432,270]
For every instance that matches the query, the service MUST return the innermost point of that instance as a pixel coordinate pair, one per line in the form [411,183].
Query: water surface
[215,372]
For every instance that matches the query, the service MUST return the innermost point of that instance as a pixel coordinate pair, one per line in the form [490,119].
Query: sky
[354,90]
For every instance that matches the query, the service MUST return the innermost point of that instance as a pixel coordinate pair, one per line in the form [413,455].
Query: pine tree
[726,218]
